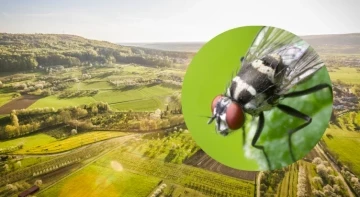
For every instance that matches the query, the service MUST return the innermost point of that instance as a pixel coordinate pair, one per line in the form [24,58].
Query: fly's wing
[301,68]
[301,60]
[270,40]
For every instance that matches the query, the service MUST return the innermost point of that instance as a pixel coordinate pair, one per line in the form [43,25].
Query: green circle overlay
[209,74]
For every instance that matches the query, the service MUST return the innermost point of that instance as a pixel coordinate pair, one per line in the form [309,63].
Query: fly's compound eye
[234,116]
[215,101]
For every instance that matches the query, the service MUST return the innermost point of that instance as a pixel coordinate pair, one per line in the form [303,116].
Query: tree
[14,120]
[73,132]
[11,187]
[66,116]
[175,100]
[38,182]
[322,171]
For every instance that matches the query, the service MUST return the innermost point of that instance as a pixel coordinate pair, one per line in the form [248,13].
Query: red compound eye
[234,116]
[214,102]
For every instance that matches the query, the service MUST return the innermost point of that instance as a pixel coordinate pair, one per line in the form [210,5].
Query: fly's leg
[244,136]
[308,91]
[243,130]
[257,135]
[293,112]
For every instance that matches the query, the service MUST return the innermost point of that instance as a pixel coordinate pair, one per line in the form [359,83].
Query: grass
[71,142]
[5,98]
[54,101]
[116,174]
[29,142]
[138,99]
[288,186]
[140,105]
[344,144]
[172,148]
[92,85]
[345,74]
[180,174]
[29,161]
[95,180]
[178,190]
[115,96]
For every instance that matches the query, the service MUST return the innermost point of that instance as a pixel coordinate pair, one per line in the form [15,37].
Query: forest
[24,52]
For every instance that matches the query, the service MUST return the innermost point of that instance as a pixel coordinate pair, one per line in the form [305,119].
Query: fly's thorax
[262,102]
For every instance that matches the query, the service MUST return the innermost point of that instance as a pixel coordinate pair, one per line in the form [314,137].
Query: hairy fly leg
[293,112]
[244,136]
[257,135]
[308,91]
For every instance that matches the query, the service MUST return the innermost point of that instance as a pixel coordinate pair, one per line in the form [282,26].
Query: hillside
[335,43]
[329,44]
[20,52]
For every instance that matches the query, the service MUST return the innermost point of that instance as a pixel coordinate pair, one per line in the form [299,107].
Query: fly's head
[228,115]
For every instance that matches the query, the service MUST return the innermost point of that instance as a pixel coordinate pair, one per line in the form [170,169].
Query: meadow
[116,173]
[5,97]
[70,143]
[348,75]
[138,98]
[56,103]
[344,145]
[29,141]
[95,180]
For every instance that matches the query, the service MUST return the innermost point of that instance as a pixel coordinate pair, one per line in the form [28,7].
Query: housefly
[276,61]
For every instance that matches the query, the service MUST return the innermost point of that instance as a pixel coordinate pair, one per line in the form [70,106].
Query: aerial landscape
[81,117]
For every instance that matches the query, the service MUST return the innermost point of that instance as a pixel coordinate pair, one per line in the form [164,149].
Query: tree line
[27,52]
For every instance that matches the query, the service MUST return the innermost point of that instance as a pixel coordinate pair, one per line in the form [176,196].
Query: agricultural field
[71,142]
[343,144]
[5,97]
[201,160]
[95,180]
[29,141]
[55,102]
[174,147]
[139,98]
[348,75]
[116,173]
[92,85]
[19,103]
[288,186]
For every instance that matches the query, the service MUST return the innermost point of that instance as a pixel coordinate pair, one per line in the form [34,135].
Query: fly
[276,61]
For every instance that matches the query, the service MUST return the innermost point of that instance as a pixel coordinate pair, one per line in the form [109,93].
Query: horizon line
[153,42]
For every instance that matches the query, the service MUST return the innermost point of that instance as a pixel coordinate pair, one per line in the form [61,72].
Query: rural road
[335,167]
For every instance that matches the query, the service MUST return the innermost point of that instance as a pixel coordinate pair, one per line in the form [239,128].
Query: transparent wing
[301,68]
[301,59]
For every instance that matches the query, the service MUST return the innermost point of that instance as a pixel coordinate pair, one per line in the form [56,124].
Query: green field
[55,102]
[29,142]
[92,85]
[345,74]
[71,142]
[173,148]
[117,174]
[95,180]
[344,144]
[142,98]
[115,96]
[4,98]
[150,104]
[288,186]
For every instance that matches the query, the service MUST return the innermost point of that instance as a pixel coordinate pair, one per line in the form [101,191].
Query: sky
[175,20]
